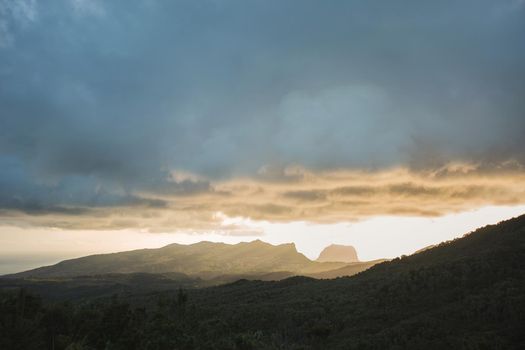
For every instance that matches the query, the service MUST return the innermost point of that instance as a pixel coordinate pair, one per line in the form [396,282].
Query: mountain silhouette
[338,253]
[205,260]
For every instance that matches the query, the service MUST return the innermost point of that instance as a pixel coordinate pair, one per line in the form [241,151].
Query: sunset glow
[130,125]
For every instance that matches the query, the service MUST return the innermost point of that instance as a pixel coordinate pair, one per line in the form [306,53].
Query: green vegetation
[464,294]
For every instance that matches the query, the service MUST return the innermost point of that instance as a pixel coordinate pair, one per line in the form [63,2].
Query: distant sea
[12,262]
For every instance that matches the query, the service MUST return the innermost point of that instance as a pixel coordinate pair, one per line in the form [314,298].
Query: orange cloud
[298,194]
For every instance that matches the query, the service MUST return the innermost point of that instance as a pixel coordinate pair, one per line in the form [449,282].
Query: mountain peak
[260,243]
[256,242]
[338,253]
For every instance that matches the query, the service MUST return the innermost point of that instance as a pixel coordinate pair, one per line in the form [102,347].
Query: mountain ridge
[205,259]
[338,253]
[467,293]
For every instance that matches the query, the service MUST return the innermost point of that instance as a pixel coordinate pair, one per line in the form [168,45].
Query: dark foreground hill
[464,294]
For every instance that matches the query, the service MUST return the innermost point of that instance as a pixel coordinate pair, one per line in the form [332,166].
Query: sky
[226,120]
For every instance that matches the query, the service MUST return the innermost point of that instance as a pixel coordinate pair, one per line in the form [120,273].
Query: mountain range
[215,262]
[468,293]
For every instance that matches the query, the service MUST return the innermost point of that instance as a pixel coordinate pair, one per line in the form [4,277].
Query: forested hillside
[464,294]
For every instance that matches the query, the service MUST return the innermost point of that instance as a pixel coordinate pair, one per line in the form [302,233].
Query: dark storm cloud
[71,195]
[100,101]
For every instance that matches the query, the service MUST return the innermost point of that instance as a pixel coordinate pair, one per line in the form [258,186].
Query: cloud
[88,7]
[161,108]
[71,195]
[15,15]
[321,197]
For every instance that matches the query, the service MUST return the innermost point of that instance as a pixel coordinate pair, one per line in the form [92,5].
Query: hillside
[349,269]
[468,293]
[465,294]
[205,260]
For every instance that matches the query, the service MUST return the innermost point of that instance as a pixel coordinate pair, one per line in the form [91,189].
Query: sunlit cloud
[294,194]
[169,116]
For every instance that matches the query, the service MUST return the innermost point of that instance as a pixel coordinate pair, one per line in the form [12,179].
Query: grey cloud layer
[101,101]
[326,197]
